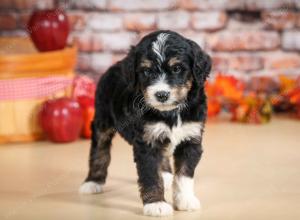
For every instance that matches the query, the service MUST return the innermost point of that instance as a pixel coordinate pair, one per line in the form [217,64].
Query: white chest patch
[181,132]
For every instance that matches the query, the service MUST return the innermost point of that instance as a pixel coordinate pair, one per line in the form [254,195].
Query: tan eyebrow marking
[173,61]
[146,63]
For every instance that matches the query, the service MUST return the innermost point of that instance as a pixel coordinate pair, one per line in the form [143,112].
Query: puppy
[155,99]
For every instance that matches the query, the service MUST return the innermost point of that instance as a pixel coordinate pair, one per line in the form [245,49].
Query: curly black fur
[121,106]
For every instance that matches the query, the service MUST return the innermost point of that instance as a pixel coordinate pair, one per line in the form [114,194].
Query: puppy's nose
[162,96]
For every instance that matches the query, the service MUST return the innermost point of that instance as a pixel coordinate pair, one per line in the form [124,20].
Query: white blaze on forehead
[159,46]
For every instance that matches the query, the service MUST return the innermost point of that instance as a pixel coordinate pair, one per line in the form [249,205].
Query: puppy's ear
[129,67]
[201,63]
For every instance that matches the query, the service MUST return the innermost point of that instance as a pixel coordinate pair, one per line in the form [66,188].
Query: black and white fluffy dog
[155,99]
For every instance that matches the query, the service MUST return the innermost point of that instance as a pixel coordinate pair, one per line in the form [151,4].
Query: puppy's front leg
[148,162]
[186,156]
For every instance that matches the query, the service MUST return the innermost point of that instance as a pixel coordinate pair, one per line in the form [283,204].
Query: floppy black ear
[201,63]
[129,67]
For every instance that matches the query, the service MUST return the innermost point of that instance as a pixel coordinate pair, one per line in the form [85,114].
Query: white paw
[157,209]
[90,188]
[185,202]
[168,180]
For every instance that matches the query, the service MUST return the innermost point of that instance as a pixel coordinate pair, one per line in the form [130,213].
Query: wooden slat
[44,64]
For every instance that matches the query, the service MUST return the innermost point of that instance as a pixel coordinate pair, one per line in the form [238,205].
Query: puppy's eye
[176,69]
[146,72]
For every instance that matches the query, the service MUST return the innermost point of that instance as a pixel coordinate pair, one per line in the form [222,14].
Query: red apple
[61,119]
[49,29]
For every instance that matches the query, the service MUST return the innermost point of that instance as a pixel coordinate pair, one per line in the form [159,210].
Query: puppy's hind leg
[99,158]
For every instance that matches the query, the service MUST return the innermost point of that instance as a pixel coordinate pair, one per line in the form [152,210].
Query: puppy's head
[165,66]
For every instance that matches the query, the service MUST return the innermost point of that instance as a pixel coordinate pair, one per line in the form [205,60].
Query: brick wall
[244,37]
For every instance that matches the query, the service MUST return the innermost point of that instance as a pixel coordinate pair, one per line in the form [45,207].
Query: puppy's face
[165,70]
[165,81]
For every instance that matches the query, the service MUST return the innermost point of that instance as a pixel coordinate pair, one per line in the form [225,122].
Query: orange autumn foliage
[226,86]
[213,107]
[253,101]
[223,88]
[286,84]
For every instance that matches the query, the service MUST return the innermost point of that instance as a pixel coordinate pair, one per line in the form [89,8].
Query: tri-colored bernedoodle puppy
[155,99]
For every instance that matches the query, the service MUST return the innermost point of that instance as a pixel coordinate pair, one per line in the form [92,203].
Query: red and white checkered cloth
[30,88]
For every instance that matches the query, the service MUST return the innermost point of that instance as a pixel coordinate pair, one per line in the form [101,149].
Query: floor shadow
[102,200]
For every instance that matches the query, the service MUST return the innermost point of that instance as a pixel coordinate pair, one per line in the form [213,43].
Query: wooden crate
[20,62]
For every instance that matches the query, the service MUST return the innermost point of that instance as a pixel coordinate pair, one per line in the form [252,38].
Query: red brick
[173,20]
[279,20]
[30,4]
[144,33]
[236,4]
[297,4]
[199,38]
[119,56]
[219,63]
[104,22]
[245,62]
[239,25]
[114,41]
[23,20]
[77,20]
[8,21]
[84,62]
[275,72]
[269,4]
[209,20]
[100,62]
[210,4]
[291,40]
[6,4]
[239,62]
[89,4]
[145,5]
[83,41]
[140,21]
[282,60]
[298,20]
[244,40]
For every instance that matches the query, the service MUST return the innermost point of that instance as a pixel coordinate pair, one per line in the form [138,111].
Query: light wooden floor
[247,172]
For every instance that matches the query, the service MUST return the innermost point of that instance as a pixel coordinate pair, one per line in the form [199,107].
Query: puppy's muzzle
[162,96]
